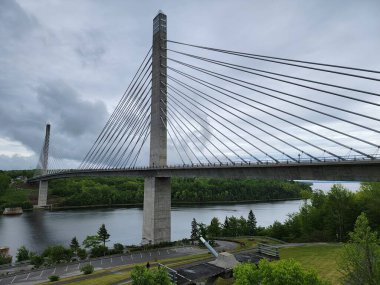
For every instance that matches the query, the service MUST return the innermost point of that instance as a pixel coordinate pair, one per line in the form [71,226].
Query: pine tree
[360,259]
[194,230]
[226,227]
[252,223]
[103,234]
[74,245]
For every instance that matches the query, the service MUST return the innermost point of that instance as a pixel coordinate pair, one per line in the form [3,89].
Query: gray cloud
[69,62]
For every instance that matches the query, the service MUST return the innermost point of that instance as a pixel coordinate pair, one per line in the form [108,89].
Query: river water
[38,229]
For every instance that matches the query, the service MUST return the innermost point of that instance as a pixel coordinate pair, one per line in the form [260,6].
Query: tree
[36,260]
[194,231]
[74,245]
[251,223]
[22,254]
[283,272]
[5,180]
[360,260]
[103,234]
[214,229]
[141,275]
[91,241]
[202,231]
[57,253]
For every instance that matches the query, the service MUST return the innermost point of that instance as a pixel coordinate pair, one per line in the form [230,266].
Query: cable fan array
[122,139]
[228,107]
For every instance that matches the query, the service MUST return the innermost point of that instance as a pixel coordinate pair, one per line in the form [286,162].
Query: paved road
[33,277]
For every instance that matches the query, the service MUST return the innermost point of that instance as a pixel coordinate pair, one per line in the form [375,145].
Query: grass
[321,258]
[120,273]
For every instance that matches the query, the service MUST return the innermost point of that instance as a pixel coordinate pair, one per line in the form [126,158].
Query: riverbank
[174,203]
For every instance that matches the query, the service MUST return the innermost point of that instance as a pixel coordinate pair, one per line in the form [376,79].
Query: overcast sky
[69,62]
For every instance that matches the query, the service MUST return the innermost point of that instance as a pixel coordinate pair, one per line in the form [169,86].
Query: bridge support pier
[157,190]
[43,187]
[157,206]
[43,194]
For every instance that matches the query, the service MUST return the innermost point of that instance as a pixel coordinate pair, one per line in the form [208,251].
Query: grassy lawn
[120,273]
[321,258]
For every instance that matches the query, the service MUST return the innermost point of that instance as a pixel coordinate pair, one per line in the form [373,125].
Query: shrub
[99,251]
[87,269]
[53,278]
[22,254]
[36,260]
[118,248]
[82,254]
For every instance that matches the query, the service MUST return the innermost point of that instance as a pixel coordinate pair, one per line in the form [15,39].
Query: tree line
[120,190]
[330,216]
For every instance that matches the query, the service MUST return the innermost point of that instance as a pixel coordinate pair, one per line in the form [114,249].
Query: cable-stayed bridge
[193,110]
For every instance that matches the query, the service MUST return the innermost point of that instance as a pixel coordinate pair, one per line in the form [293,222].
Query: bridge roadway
[367,170]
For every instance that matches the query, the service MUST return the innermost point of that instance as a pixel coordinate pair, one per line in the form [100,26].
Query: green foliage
[5,180]
[194,230]
[284,272]
[36,260]
[82,254]
[87,269]
[140,275]
[5,259]
[53,278]
[120,190]
[57,253]
[360,260]
[22,254]
[118,248]
[74,245]
[214,229]
[328,217]
[103,234]
[251,223]
[99,251]
[91,241]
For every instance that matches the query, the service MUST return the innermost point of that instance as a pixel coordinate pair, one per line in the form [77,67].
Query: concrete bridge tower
[43,187]
[157,190]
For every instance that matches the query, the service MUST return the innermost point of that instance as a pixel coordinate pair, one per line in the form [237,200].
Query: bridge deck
[348,170]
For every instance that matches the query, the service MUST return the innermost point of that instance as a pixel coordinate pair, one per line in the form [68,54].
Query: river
[38,229]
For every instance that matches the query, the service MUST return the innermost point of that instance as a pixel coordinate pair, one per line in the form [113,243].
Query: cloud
[69,62]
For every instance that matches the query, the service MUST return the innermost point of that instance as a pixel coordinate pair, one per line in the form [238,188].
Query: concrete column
[43,187]
[157,205]
[157,191]
[42,193]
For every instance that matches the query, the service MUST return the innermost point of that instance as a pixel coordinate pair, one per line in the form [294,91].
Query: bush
[22,254]
[57,253]
[118,248]
[87,269]
[99,251]
[53,278]
[36,260]
[82,254]
[5,259]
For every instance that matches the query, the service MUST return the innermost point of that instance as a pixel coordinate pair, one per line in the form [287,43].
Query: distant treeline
[122,190]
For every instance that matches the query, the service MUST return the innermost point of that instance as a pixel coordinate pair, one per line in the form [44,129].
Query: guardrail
[268,250]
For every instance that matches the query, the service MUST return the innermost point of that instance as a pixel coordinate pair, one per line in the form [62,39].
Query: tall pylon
[157,190]
[43,187]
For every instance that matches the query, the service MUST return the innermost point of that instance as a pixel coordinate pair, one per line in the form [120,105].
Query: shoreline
[175,203]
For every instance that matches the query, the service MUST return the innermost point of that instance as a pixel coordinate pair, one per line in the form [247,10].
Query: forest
[117,190]
[325,217]
[130,190]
